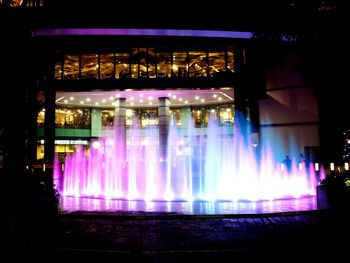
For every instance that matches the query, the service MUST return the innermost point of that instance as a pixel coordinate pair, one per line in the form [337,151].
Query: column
[164,120]
[240,95]
[120,119]
[49,126]
[240,102]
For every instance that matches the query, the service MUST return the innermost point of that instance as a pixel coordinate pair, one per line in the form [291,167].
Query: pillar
[240,96]
[164,120]
[120,119]
[49,126]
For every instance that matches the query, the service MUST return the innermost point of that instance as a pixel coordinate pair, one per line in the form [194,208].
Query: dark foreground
[309,236]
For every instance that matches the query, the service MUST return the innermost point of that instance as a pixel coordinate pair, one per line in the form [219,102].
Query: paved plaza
[180,235]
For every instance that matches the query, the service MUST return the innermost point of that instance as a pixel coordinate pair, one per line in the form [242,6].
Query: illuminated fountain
[213,163]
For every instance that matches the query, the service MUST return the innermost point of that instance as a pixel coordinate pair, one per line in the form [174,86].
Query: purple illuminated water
[213,163]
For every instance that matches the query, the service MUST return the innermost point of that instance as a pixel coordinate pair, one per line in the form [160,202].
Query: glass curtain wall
[144,63]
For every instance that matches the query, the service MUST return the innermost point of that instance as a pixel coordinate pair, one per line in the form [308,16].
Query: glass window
[58,69]
[28,3]
[39,152]
[151,61]
[82,118]
[89,66]
[226,115]
[197,117]
[41,118]
[164,64]
[60,118]
[142,58]
[230,60]
[200,116]
[61,149]
[122,63]
[149,117]
[71,67]
[73,118]
[180,66]
[107,118]
[197,64]
[106,66]
[134,60]
[216,63]
[177,116]
[132,117]
[69,118]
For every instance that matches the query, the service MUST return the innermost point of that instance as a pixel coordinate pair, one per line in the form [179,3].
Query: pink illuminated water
[213,163]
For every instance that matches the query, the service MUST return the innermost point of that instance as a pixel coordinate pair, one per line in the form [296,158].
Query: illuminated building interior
[168,122]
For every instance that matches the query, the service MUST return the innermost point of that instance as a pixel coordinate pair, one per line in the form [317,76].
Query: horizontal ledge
[140,32]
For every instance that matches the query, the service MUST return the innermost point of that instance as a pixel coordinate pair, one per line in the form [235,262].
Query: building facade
[86,80]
